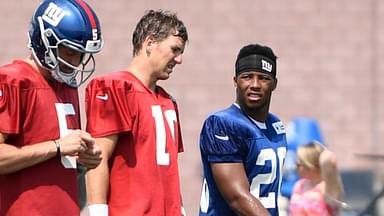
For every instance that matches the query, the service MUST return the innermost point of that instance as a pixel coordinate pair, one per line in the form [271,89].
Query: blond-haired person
[320,190]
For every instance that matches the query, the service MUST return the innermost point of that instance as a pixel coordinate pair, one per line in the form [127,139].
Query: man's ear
[148,44]
[274,85]
[235,81]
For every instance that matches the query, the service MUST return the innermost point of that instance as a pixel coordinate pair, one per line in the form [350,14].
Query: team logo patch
[53,14]
[279,127]
[266,66]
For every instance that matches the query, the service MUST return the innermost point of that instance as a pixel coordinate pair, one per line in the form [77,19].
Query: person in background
[320,189]
[40,137]
[136,123]
[243,147]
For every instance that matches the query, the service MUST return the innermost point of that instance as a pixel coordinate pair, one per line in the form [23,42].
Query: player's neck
[32,62]
[142,71]
[259,114]
[45,73]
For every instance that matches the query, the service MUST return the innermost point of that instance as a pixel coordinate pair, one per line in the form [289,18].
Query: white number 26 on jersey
[267,178]
[162,156]
[270,199]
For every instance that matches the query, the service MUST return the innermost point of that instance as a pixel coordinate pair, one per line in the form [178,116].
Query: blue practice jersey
[230,136]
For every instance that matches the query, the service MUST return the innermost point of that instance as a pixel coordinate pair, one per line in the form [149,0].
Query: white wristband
[98,210]
[183,213]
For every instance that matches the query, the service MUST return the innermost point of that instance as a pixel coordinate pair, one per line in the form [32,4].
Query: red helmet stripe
[88,12]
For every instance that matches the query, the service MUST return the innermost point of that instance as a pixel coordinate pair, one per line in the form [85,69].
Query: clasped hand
[81,145]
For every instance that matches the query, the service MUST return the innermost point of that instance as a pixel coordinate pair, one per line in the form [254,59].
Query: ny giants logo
[266,66]
[54,14]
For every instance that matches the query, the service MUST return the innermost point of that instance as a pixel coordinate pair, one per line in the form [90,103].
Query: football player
[243,147]
[40,139]
[136,124]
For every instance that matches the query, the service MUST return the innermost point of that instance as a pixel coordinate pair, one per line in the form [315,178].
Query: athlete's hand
[91,158]
[75,143]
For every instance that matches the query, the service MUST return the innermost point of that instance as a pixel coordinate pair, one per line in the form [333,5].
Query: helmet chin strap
[63,78]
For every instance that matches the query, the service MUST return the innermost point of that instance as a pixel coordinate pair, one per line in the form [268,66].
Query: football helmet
[69,23]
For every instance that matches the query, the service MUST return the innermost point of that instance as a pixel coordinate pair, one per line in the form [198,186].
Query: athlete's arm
[98,178]
[233,184]
[13,158]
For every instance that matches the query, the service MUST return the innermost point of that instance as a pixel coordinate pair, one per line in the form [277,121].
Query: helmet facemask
[63,37]
[76,75]
[62,70]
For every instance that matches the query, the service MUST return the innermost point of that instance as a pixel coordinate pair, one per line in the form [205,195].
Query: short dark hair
[158,24]
[258,52]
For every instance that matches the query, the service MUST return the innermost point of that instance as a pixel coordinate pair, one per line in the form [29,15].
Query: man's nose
[255,82]
[178,59]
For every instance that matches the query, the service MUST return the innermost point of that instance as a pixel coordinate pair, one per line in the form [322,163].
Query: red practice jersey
[144,177]
[33,111]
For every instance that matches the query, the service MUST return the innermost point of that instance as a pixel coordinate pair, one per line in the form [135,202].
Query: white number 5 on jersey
[64,109]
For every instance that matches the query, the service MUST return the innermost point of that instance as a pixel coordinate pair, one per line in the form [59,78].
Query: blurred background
[330,70]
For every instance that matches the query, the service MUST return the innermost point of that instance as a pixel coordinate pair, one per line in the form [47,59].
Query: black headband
[256,63]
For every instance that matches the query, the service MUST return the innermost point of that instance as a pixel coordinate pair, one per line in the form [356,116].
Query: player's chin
[165,75]
[253,101]
[65,69]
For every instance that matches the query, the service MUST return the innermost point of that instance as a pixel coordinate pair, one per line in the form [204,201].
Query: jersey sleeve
[9,109]
[107,107]
[219,141]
